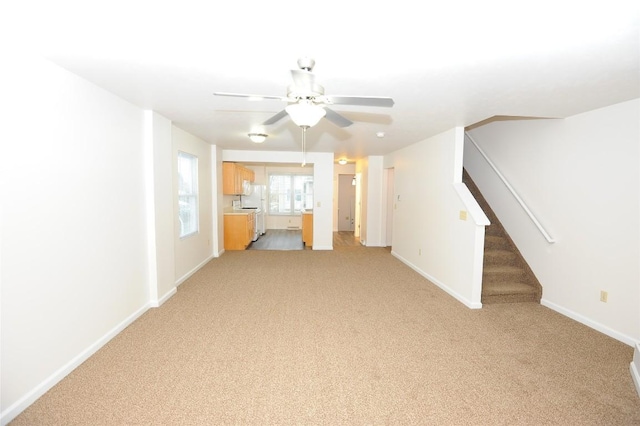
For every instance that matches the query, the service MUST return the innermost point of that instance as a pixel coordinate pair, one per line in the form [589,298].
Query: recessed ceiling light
[257,137]
[380,134]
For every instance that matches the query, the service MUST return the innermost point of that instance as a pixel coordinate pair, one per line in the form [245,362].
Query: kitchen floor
[291,239]
[279,239]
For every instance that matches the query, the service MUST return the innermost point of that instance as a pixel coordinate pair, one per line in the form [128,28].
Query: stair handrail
[513,191]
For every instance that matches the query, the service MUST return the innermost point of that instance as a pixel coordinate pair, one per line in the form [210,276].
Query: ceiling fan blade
[279,116]
[303,80]
[336,118]
[360,100]
[252,97]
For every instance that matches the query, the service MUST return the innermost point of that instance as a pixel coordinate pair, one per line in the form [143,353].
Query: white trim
[194,270]
[471,204]
[459,298]
[159,302]
[634,367]
[20,405]
[317,247]
[589,323]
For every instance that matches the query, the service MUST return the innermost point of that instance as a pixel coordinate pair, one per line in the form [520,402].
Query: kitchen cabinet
[233,177]
[307,228]
[238,230]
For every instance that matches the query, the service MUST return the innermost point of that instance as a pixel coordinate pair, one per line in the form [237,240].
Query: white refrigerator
[257,199]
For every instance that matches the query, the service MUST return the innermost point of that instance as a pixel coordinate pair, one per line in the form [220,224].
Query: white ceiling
[452,63]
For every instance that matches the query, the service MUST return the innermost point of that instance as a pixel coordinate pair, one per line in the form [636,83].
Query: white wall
[193,251]
[362,191]
[160,207]
[339,169]
[322,186]
[428,234]
[387,211]
[580,176]
[373,222]
[217,223]
[74,233]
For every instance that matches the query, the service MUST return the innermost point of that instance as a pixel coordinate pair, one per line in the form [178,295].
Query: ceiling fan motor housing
[309,93]
[306,64]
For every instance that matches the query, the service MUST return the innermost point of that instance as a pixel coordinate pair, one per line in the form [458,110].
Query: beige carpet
[344,337]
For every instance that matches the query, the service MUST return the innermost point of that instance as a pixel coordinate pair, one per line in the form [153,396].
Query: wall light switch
[604,296]
[463,215]
[318,204]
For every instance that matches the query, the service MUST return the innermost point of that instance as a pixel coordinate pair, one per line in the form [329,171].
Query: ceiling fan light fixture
[305,114]
[257,137]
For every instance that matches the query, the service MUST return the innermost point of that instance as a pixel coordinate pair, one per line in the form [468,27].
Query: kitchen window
[187,194]
[290,193]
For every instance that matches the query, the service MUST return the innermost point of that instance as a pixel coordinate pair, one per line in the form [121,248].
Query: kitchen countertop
[230,211]
[306,211]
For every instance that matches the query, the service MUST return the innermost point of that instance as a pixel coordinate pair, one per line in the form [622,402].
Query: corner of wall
[635,368]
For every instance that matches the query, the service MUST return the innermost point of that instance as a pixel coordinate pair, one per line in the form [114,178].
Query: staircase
[506,277]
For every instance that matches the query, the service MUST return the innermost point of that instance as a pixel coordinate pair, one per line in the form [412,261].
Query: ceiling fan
[307,102]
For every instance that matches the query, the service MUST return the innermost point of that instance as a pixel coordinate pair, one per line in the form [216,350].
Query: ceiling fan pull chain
[304,159]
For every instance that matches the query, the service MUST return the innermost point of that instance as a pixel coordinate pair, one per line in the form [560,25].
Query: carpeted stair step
[508,292]
[495,257]
[495,242]
[493,230]
[503,273]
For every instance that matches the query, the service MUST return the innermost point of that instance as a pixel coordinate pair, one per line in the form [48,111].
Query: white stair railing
[513,192]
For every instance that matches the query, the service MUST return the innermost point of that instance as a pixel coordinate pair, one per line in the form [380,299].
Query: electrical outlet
[419,252]
[604,296]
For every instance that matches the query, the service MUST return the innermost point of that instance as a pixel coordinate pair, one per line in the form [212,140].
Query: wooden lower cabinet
[238,230]
[307,229]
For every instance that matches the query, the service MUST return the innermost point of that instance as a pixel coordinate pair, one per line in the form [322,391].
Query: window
[187,194]
[290,193]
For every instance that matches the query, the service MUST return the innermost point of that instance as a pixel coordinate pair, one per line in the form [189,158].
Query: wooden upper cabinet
[228,178]
[233,176]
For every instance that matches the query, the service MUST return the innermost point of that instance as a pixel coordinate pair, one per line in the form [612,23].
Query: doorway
[346,203]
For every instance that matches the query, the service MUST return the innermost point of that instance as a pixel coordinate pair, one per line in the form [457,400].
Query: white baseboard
[588,322]
[635,368]
[194,270]
[19,406]
[159,302]
[458,297]
[317,247]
